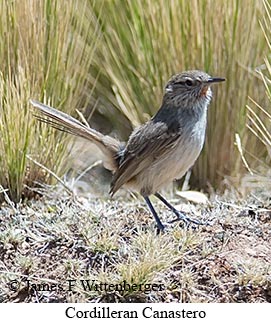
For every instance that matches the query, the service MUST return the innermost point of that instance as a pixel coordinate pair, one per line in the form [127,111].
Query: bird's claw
[181,216]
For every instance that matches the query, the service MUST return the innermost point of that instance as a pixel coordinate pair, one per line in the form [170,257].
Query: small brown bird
[159,151]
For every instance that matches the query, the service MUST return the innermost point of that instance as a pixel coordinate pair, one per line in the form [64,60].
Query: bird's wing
[145,145]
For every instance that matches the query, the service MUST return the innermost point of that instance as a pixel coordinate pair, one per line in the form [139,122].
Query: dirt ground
[61,248]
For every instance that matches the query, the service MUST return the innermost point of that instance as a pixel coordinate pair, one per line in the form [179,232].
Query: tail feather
[62,121]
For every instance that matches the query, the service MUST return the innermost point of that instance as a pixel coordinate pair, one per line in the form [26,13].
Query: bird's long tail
[62,121]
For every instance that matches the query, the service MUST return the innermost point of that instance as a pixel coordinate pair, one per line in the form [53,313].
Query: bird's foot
[160,228]
[181,216]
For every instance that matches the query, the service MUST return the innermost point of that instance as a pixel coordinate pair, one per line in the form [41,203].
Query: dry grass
[42,56]
[47,53]
[259,117]
[114,58]
[56,240]
[144,42]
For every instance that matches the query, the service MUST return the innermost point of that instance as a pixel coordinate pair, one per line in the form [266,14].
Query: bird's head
[190,88]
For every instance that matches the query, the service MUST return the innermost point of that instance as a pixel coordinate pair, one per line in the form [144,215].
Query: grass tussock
[144,42]
[259,118]
[42,56]
[114,58]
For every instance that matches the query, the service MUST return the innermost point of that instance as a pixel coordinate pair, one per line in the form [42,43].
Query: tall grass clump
[115,57]
[259,114]
[42,56]
[145,42]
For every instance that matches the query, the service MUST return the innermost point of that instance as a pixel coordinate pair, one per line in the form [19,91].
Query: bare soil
[54,248]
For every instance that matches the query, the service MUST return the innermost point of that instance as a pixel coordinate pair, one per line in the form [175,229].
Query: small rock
[194,196]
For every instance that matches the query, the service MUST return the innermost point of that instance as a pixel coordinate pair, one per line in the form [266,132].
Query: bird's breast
[177,160]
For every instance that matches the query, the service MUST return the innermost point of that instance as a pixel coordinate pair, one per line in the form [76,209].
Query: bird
[159,151]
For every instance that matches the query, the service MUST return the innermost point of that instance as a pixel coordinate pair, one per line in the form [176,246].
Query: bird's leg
[158,221]
[181,216]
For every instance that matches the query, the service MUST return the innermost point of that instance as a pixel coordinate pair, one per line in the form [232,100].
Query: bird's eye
[188,82]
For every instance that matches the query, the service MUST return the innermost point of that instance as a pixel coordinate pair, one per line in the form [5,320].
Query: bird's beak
[215,80]
[210,81]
